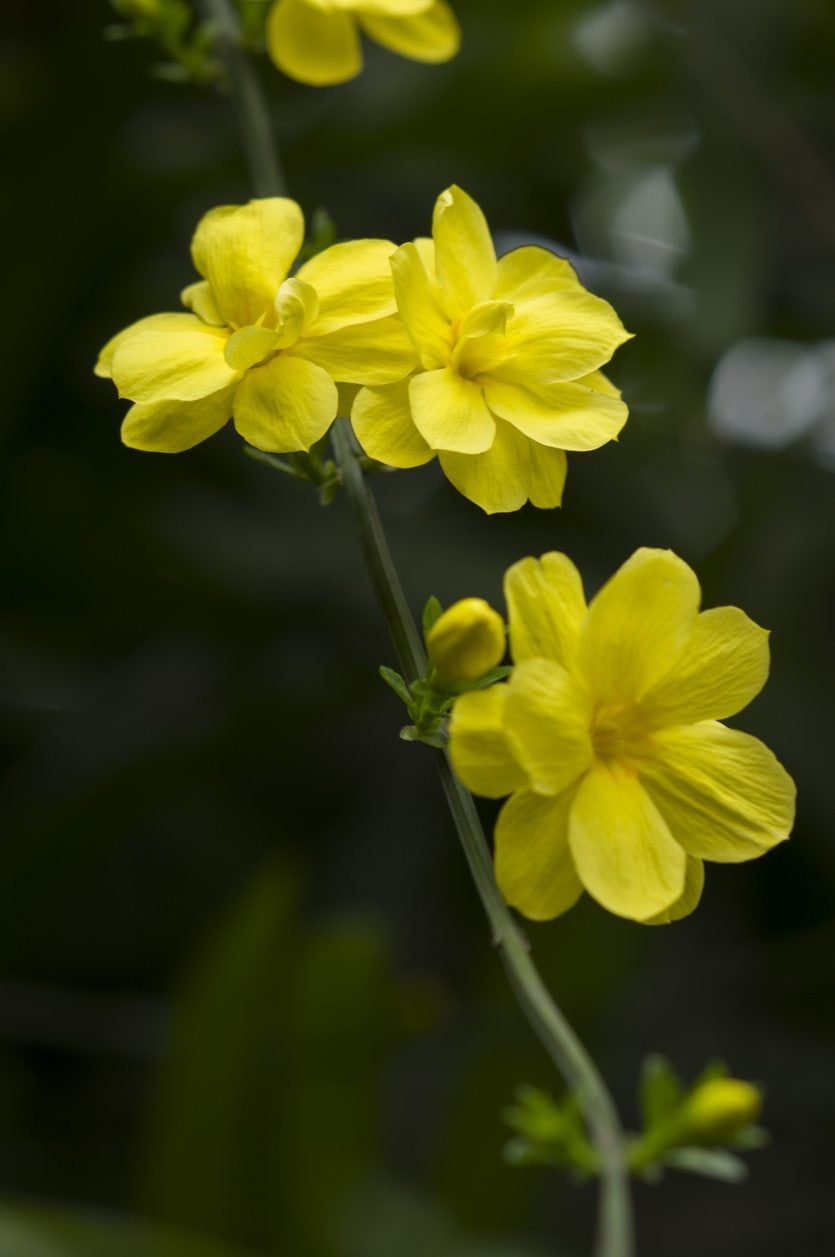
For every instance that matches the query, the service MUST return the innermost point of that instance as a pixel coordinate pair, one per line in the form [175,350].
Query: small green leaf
[710,1162]
[489,678]
[661,1091]
[409,734]
[431,613]
[395,682]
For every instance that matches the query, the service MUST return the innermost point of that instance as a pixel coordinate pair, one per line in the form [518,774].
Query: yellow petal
[638,625]
[200,299]
[531,273]
[171,427]
[623,851]
[694,881]
[546,607]
[464,255]
[420,306]
[566,416]
[353,282]
[723,794]
[548,717]
[154,322]
[248,346]
[534,868]
[723,666]
[481,344]
[481,748]
[559,330]
[451,413]
[311,45]
[513,471]
[167,365]
[433,35]
[382,8]
[296,307]
[366,353]
[382,421]
[245,252]
[286,405]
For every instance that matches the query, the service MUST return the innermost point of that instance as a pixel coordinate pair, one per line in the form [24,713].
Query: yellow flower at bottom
[318,41]
[510,354]
[259,346]
[608,739]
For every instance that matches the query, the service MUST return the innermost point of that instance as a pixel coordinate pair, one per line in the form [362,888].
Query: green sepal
[321,236]
[395,682]
[661,1091]
[431,613]
[489,678]
[709,1162]
[436,738]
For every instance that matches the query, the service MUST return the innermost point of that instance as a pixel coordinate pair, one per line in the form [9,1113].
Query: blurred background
[248,1002]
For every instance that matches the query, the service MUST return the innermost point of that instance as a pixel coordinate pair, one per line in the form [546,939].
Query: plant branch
[253,113]
[614,1237]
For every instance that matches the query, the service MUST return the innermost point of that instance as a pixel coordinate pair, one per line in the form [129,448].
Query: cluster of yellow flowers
[493,366]
[607,738]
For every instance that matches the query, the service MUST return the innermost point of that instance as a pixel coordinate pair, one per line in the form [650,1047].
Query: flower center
[619,731]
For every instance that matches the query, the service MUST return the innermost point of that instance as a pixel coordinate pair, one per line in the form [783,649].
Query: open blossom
[258,346]
[510,353]
[608,739]
[318,41]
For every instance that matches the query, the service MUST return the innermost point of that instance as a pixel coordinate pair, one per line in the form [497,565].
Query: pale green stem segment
[615,1227]
[253,114]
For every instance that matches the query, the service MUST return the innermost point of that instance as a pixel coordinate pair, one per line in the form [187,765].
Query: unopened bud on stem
[465,642]
[720,1108]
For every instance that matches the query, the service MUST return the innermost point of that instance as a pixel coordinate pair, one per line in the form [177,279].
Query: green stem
[615,1228]
[253,114]
[614,1237]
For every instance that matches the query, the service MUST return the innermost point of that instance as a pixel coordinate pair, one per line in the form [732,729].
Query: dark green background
[247,987]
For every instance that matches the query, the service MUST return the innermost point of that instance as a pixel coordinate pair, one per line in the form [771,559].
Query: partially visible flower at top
[465,642]
[607,738]
[259,346]
[318,41]
[510,355]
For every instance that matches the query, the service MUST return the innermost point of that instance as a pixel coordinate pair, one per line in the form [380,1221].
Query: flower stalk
[615,1227]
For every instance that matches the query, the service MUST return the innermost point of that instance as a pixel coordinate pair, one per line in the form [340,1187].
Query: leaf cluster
[428,705]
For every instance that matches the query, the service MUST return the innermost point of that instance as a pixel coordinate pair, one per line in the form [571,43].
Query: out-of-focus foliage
[189,648]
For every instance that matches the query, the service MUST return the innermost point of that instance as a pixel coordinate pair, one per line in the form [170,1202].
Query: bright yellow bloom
[465,642]
[318,41]
[720,1108]
[510,355]
[259,346]
[608,739]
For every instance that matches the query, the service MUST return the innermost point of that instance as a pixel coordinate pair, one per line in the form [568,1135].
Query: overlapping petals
[607,738]
[509,355]
[318,41]
[260,346]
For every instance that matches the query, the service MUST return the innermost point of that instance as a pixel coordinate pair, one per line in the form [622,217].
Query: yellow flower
[510,354]
[318,41]
[465,642]
[257,345]
[608,739]
[720,1108]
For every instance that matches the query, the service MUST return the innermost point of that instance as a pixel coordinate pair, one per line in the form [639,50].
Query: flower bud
[719,1109]
[465,642]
